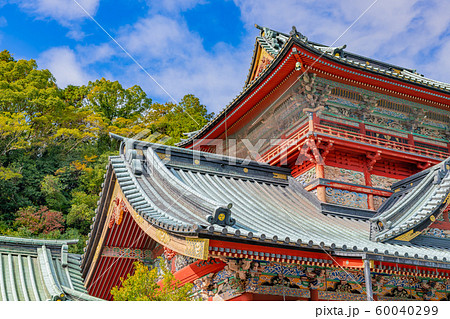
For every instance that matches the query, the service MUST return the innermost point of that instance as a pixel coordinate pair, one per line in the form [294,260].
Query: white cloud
[3,22]
[402,32]
[175,56]
[63,11]
[157,36]
[65,66]
[77,35]
[91,54]
[174,5]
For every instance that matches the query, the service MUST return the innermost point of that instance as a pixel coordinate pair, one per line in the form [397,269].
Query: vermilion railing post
[311,121]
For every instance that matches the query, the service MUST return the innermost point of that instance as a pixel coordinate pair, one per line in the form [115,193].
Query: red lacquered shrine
[326,179]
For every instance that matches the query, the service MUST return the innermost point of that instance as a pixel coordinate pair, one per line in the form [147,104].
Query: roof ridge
[37,242]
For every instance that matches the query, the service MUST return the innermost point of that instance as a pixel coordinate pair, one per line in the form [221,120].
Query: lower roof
[180,190]
[33,269]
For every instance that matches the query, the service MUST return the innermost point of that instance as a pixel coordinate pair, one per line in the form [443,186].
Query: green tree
[113,101]
[82,210]
[143,285]
[172,120]
[52,189]
[54,143]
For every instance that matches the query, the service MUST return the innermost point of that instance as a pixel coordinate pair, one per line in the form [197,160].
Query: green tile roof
[33,269]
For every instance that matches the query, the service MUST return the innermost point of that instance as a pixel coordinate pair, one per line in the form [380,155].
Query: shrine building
[326,178]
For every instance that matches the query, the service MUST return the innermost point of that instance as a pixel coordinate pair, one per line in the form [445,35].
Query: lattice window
[346,94]
[302,168]
[392,169]
[394,106]
[345,160]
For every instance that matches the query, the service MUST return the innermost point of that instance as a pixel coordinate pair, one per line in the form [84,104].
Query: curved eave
[280,66]
[397,250]
[253,63]
[415,208]
[375,77]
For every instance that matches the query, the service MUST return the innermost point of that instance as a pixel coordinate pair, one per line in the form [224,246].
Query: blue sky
[205,47]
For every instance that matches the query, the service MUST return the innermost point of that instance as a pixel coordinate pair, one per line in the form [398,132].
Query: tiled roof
[180,192]
[273,44]
[32,269]
[415,201]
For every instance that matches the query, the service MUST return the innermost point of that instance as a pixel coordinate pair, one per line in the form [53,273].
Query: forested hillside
[54,145]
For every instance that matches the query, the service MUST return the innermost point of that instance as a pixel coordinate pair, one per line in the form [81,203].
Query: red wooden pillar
[368,182]
[314,295]
[311,121]
[320,173]
[411,139]
[362,128]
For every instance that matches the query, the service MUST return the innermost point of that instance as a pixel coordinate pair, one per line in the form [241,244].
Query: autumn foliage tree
[143,285]
[39,220]
[54,144]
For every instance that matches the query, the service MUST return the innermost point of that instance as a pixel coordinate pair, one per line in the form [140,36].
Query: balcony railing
[292,142]
[380,142]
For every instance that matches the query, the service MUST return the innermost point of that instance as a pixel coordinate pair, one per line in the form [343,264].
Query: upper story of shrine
[354,97]
[340,121]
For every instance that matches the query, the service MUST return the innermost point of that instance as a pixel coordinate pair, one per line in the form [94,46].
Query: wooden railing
[381,142]
[297,138]
[286,144]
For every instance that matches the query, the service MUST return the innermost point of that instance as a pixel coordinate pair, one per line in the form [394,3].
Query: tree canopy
[143,285]
[54,142]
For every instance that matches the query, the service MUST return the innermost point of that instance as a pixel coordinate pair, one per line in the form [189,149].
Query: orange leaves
[80,166]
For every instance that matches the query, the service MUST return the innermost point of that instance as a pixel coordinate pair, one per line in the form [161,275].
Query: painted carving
[344,175]
[346,198]
[117,214]
[245,275]
[348,281]
[283,117]
[144,255]
[274,278]
[378,201]
[382,181]
[436,232]
[394,287]
[341,111]
[338,295]
[390,113]
[169,254]
[181,261]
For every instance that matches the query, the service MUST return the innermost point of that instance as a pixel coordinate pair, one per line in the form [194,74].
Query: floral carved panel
[346,198]
[344,175]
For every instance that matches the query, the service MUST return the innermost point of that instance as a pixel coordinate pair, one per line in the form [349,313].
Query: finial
[293,31]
